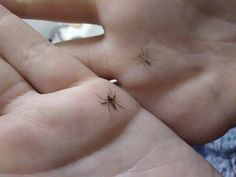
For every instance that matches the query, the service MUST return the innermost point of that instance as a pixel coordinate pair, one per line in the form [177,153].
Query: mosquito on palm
[111,102]
[146,60]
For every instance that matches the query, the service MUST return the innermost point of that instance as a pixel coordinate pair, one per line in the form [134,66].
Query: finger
[12,85]
[42,64]
[220,9]
[62,10]
[92,52]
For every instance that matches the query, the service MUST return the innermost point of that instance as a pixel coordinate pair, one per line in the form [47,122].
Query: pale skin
[47,131]
[190,83]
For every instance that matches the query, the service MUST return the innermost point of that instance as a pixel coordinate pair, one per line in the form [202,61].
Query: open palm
[58,119]
[175,57]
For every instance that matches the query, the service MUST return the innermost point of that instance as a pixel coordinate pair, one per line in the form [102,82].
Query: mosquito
[144,58]
[111,102]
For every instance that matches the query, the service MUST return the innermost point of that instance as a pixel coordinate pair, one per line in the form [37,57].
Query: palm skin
[64,138]
[53,122]
[56,135]
[176,58]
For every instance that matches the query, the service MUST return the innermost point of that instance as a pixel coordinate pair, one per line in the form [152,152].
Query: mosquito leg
[101,97]
[113,104]
[119,105]
[109,109]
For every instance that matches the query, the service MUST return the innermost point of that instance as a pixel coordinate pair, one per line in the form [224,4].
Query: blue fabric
[222,153]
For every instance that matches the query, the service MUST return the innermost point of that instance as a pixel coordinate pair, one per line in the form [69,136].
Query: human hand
[175,57]
[57,121]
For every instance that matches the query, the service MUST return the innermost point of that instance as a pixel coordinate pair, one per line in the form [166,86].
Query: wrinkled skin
[175,57]
[54,125]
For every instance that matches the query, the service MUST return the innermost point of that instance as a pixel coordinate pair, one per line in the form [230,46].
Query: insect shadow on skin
[111,102]
[146,60]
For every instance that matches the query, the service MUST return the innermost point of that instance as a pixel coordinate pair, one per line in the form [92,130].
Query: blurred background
[57,32]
